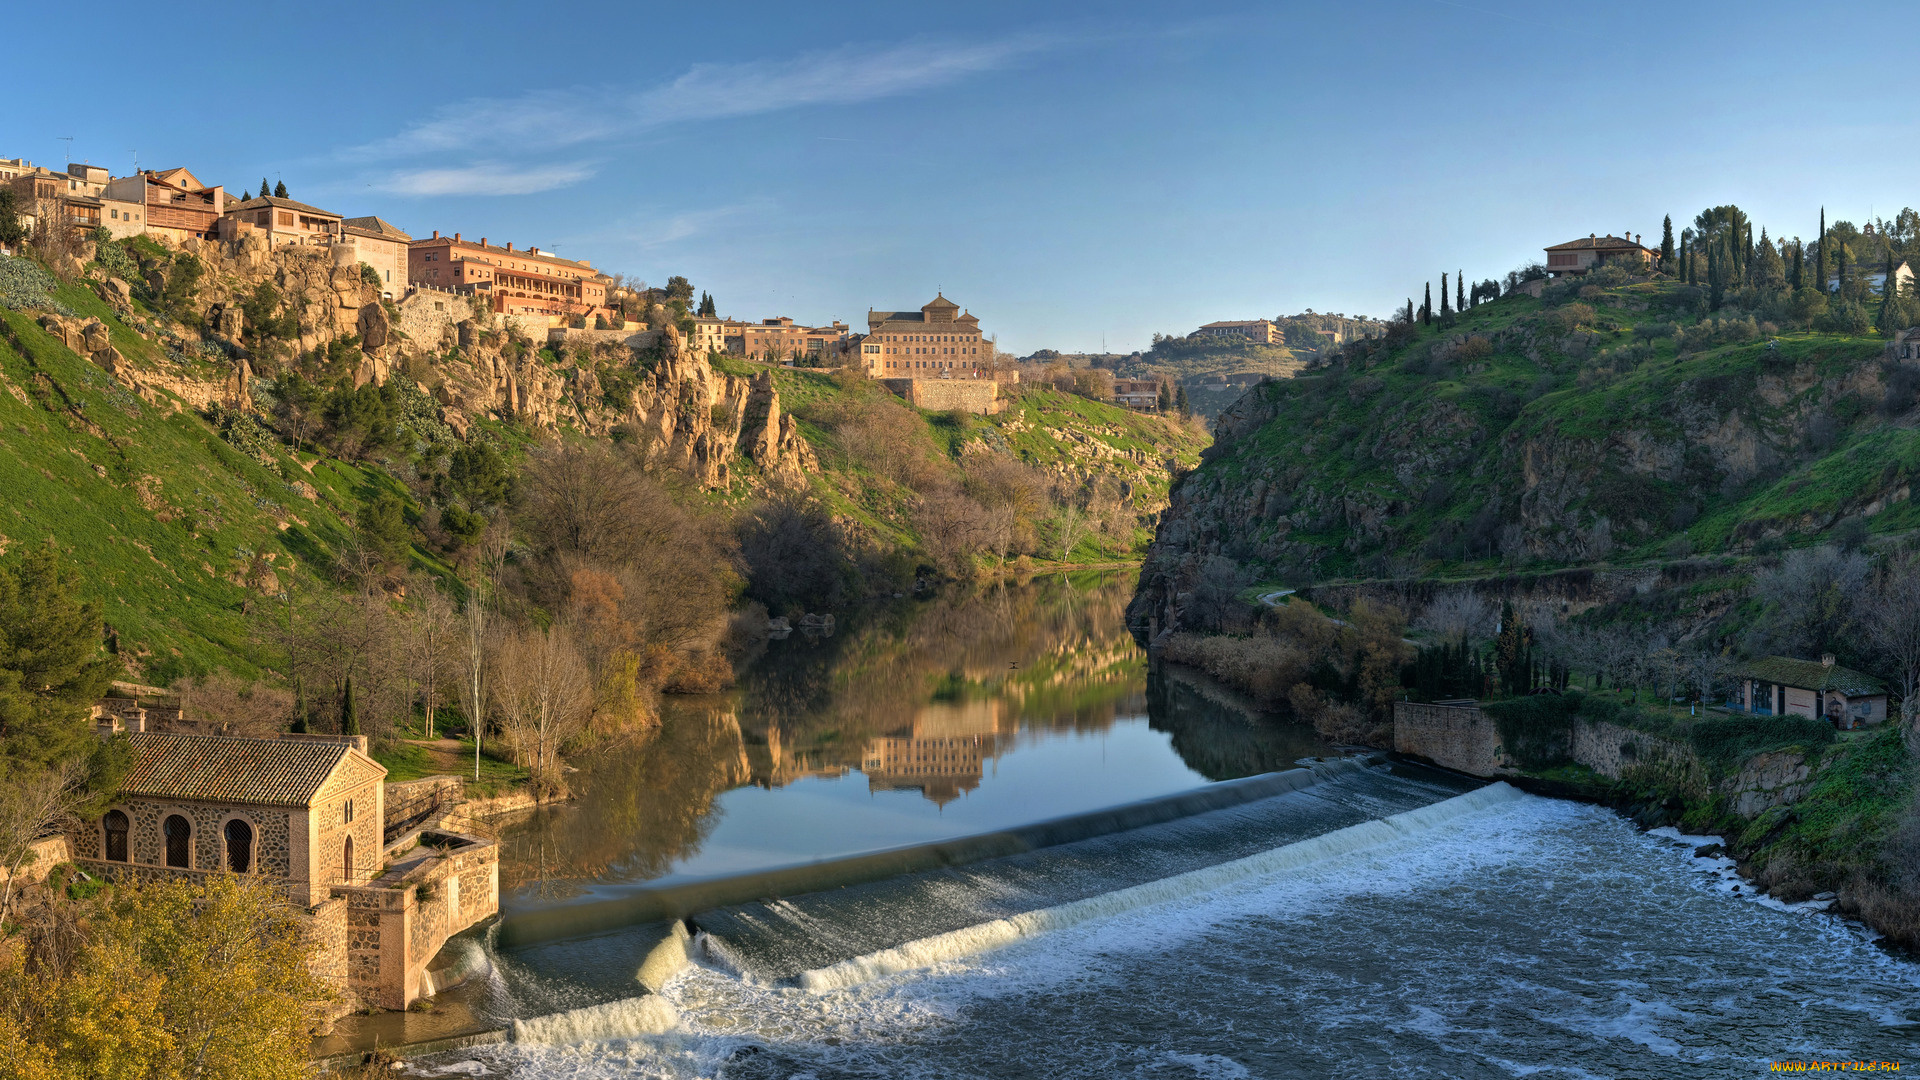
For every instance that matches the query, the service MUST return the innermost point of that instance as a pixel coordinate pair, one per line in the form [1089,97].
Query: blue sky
[1072,173]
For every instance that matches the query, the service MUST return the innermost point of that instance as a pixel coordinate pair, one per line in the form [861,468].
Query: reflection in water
[976,710]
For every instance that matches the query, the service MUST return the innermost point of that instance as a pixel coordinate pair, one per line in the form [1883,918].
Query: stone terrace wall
[412,798]
[1455,737]
[981,396]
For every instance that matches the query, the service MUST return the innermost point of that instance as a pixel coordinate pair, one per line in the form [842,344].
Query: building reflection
[946,753]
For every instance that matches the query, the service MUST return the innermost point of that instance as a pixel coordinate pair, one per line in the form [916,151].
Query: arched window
[179,836]
[239,846]
[346,862]
[115,826]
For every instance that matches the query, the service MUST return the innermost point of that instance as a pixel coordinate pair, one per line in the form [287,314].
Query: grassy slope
[1325,423]
[152,505]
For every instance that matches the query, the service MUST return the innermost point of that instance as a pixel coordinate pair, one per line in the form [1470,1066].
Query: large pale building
[938,340]
[1261,331]
[524,282]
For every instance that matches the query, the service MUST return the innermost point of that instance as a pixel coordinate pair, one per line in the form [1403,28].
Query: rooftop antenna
[68,139]
[136,161]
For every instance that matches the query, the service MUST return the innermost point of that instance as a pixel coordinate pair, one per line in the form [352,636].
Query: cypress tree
[349,712]
[1716,269]
[1796,273]
[1820,254]
[1666,244]
[264,190]
[1426,307]
[1446,305]
[1409,311]
[1459,290]
[280,190]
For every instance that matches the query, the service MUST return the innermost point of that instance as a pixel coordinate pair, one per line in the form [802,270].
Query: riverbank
[1804,811]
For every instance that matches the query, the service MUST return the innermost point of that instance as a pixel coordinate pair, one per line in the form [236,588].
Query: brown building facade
[282,221]
[939,340]
[1576,257]
[525,282]
[174,204]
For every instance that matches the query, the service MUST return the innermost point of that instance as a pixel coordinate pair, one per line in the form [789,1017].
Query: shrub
[25,286]
[1723,743]
[1537,730]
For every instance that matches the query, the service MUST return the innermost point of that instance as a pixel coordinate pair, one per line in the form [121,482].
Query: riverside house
[382,892]
[1778,685]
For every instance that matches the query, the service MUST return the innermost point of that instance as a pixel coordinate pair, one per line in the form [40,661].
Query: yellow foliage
[177,981]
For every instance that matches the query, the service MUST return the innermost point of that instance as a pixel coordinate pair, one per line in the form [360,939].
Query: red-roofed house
[1579,256]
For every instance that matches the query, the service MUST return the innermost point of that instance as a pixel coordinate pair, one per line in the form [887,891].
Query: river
[1348,918]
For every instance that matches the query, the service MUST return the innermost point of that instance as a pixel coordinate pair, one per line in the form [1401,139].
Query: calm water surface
[927,721]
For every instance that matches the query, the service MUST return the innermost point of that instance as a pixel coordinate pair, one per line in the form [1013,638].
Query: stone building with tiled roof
[308,811]
[938,341]
[1579,256]
[281,221]
[1778,685]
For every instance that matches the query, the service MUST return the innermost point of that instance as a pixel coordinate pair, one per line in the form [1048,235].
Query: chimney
[436,234]
[1591,236]
[483,241]
[509,245]
[1826,659]
[533,251]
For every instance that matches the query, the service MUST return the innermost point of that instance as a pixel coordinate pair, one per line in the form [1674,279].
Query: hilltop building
[939,340]
[1576,257]
[382,893]
[1260,331]
[376,242]
[173,204]
[524,282]
[281,221]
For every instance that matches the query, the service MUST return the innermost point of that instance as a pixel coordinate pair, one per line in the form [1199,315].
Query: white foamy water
[1521,936]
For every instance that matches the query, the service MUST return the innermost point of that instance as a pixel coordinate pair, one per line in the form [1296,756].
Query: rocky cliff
[1609,427]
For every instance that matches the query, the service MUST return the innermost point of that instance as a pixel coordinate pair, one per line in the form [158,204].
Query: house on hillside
[939,340]
[1141,395]
[173,204]
[1576,257]
[377,243]
[310,813]
[281,221]
[1259,331]
[1778,685]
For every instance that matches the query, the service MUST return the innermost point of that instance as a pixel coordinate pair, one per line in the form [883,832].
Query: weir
[569,920]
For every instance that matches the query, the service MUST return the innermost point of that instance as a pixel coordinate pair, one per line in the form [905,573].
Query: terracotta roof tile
[218,768]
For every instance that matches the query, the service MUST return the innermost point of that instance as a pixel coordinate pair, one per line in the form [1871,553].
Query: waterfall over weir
[851,915]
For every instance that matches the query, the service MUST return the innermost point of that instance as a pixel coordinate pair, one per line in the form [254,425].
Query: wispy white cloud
[484,178]
[545,121]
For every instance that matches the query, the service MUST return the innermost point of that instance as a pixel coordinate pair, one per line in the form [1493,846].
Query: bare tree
[1893,625]
[1810,599]
[1459,615]
[1070,526]
[32,807]
[225,705]
[544,693]
[435,629]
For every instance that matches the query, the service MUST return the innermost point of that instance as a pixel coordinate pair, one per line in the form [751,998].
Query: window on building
[286,218]
[346,812]
[179,840]
[239,846]
[346,861]
[115,827]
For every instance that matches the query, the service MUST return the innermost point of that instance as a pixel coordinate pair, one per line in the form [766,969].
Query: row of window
[176,835]
[929,337]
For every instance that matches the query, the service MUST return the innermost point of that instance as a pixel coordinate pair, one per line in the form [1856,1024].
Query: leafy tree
[477,473]
[11,232]
[280,190]
[263,188]
[263,318]
[1768,271]
[384,525]
[205,979]
[1180,401]
[182,288]
[1666,243]
[679,288]
[51,665]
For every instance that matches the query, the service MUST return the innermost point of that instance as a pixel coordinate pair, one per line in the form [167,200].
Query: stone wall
[47,853]
[1451,736]
[1611,750]
[146,843]
[327,938]
[562,336]
[415,798]
[981,396]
